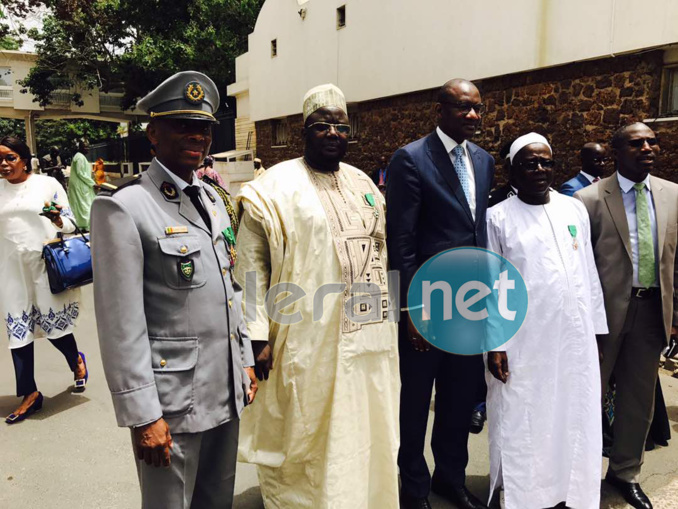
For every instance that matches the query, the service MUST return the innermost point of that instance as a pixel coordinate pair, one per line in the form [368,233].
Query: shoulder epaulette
[117,185]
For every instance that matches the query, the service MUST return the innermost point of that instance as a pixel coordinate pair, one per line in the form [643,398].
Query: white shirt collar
[181,183]
[448,142]
[589,177]
[626,184]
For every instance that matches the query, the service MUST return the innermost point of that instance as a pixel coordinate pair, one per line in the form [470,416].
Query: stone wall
[570,105]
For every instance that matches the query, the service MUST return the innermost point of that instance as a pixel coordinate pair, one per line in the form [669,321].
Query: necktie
[462,171]
[646,265]
[595,180]
[193,193]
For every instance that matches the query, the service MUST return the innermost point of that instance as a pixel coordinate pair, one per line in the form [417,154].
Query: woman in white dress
[28,307]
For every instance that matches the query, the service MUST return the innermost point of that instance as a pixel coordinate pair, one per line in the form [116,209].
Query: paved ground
[72,455]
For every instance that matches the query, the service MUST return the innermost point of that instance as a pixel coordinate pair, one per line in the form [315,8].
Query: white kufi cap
[524,141]
[323,96]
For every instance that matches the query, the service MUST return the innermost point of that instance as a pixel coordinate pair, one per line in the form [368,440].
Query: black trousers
[24,362]
[457,380]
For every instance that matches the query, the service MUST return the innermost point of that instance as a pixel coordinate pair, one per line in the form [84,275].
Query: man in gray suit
[173,341]
[634,223]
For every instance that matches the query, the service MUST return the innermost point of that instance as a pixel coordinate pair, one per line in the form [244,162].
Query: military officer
[174,346]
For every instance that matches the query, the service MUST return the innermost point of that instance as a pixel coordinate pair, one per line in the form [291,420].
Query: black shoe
[630,491]
[461,496]
[410,502]
[478,418]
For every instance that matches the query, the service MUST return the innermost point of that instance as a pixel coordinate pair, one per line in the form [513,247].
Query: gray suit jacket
[612,248]
[172,346]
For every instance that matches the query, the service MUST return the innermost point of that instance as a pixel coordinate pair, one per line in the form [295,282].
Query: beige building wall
[391,47]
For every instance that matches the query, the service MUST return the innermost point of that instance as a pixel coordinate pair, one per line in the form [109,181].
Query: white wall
[390,47]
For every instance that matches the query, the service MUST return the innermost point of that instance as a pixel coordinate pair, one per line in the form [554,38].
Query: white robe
[545,422]
[28,307]
[323,430]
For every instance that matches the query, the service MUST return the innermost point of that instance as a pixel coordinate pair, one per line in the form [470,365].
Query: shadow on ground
[250,498]
[62,402]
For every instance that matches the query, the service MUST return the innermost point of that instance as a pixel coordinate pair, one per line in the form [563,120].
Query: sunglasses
[639,142]
[466,107]
[533,164]
[10,158]
[323,127]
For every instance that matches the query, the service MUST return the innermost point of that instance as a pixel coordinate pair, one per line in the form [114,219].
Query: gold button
[230,303]
[232,336]
[216,242]
[163,363]
[224,271]
[183,249]
[214,212]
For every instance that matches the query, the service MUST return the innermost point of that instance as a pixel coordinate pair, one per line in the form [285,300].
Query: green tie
[646,266]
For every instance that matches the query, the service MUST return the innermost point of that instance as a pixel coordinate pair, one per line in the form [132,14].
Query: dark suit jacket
[427,210]
[574,184]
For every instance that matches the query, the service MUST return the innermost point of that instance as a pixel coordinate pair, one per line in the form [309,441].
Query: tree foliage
[133,45]
[62,133]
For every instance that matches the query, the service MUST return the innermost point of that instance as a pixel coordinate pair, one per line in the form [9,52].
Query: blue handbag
[68,262]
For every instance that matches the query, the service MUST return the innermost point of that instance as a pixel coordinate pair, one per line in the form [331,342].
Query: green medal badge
[573,231]
[186,269]
[369,198]
[229,235]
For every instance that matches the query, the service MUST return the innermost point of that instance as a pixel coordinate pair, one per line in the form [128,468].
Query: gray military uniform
[172,335]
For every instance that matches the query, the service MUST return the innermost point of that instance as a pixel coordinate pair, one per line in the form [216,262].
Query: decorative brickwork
[570,104]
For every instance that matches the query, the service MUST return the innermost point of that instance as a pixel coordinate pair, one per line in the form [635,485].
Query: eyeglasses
[466,107]
[10,158]
[323,127]
[533,164]
[639,142]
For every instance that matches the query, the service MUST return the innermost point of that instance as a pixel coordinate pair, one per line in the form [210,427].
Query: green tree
[133,45]
[12,127]
[65,133]
[8,39]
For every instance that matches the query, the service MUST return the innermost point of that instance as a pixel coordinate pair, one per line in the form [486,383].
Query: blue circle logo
[467,301]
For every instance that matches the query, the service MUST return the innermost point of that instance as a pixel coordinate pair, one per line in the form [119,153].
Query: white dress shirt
[590,178]
[449,144]
[629,198]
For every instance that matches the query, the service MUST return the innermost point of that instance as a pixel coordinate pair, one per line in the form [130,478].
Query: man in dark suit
[593,161]
[437,195]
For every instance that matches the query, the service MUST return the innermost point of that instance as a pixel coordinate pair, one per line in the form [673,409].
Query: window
[670,91]
[354,120]
[280,132]
[274,48]
[5,76]
[341,17]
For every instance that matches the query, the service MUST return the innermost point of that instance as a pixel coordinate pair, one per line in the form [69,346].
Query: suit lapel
[212,210]
[659,199]
[481,177]
[443,164]
[615,204]
[583,180]
[186,209]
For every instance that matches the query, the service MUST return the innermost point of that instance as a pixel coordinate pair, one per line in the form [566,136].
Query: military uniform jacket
[173,341]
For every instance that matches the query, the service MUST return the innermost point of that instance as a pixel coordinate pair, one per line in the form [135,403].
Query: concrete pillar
[30,134]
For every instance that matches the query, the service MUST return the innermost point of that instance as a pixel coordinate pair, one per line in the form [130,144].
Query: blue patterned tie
[462,171]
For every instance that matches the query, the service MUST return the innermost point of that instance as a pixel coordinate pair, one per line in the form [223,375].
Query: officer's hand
[253,385]
[416,339]
[497,363]
[263,359]
[153,443]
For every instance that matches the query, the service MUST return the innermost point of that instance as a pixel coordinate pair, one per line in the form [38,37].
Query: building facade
[574,71]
